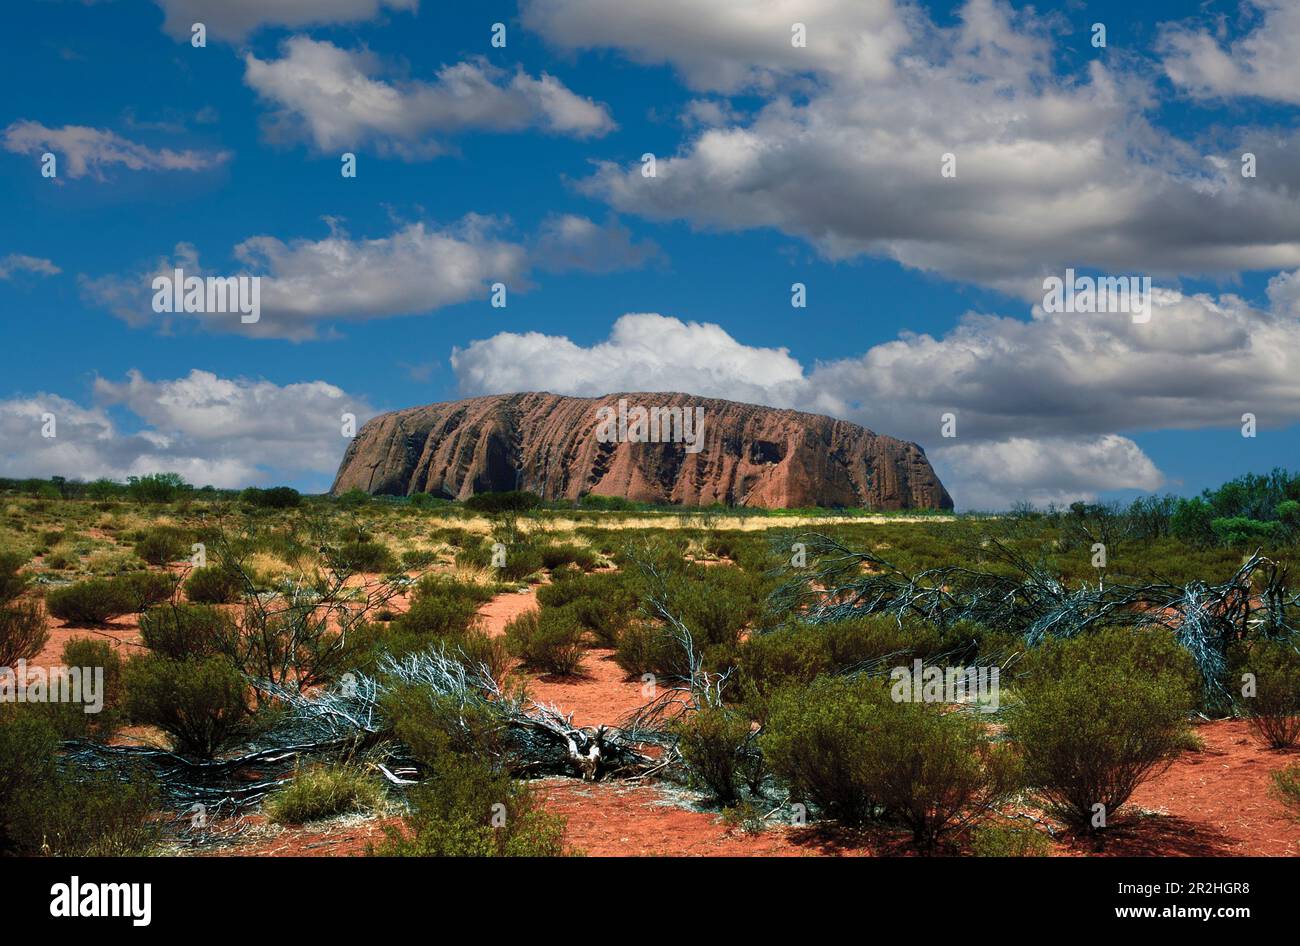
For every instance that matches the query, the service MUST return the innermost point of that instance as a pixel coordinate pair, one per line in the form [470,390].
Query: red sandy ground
[1212,802]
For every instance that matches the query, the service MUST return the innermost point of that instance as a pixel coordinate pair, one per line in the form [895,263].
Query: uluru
[566,447]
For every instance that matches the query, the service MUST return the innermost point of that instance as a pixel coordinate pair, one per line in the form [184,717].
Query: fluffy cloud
[19,262]
[332,98]
[1265,63]
[1039,402]
[90,151]
[235,19]
[731,45]
[415,269]
[994,474]
[212,430]
[1053,169]
[644,352]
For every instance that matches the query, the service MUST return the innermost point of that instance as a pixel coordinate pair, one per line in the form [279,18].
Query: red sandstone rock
[548,444]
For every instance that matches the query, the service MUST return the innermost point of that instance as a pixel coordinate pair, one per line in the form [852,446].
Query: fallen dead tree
[348,723]
[1028,599]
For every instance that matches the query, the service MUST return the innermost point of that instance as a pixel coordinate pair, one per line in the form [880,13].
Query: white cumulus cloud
[335,99]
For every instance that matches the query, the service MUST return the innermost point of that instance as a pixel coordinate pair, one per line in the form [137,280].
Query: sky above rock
[524,163]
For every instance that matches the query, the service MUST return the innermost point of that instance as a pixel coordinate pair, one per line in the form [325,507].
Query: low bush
[323,791]
[549,640]
[467,808]
[938,771]
[45,808]
[818,741]
[363,556]
[651,648]
[1274,709]
[1286,787]
[93,602]
[433,725]
[418,558]
[1098,714]
[71,719]
[715,744]
[845,745]
[604,604]
[23,631]
[277,497]
[179,631]
[214,585]
[162,545]
[999,840]
[555,556]
[145,589]
[201,702]
[12,582]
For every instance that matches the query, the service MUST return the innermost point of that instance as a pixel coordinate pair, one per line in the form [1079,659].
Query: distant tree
[277,497]
[156,487]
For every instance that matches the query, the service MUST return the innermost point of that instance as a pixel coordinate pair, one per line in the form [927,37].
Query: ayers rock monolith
[548,444]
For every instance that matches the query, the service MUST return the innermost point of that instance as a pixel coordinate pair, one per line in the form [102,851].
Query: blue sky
[773,170]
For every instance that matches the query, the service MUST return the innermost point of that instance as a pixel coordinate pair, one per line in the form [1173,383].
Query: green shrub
[818,741]
[466,808]
[433,725]
[996,840]
[603,603]
[549,640]
[418,558]
[363,556]
[12,582]
[214,585]
[651,648]
[45,807]
[857,754]
[277,497]
[522,561]
[1098,714]
[323,792]
[201,703]
[145,589]
[93,602]
[554,556]
[27,745]
[937,771]
[1274,710]
[1286,787]
[71,719]
[180,631]
[23,631]
[715,744]
[162,545]
[60,561]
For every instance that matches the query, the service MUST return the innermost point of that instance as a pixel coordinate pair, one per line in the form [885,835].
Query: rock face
[565,447]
